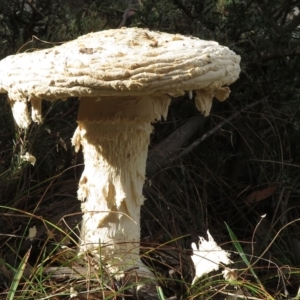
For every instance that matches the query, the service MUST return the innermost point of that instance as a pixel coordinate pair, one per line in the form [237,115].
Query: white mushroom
[125,78]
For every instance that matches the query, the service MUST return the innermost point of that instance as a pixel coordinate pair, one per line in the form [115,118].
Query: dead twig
[212,131]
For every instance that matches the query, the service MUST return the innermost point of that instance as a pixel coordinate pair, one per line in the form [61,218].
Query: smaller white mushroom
[208,256]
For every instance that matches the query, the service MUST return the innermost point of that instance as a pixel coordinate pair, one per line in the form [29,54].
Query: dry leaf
[263,194]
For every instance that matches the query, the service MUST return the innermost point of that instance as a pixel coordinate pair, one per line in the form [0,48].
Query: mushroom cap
[126,61]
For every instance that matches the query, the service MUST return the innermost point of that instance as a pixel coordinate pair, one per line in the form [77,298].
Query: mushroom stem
[115,137]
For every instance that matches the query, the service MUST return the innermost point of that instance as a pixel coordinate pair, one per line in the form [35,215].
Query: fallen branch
[212,131]
[169,147]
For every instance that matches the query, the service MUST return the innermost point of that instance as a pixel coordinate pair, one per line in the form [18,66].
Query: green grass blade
[241,252]
[18,276]
[160,293]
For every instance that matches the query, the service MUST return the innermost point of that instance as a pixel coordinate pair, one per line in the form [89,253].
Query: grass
[255,277]
[193,195]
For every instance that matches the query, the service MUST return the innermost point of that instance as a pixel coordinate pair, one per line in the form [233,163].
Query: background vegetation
[235,166]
